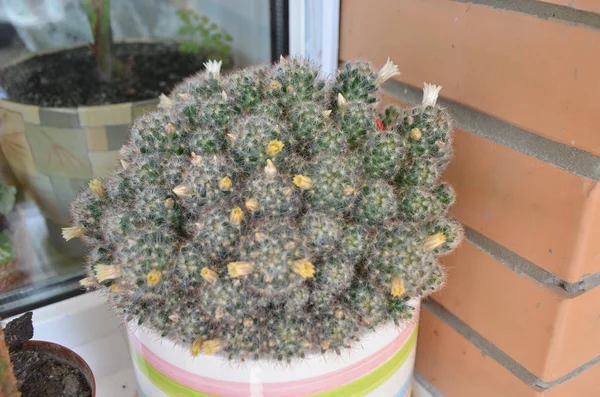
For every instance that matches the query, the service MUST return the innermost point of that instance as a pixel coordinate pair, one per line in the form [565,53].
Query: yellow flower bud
[196,348]
[116,288]
[274,148]
[209,275]
[239,269]
[398,287]
[153,277]
[236,216]
[416,134]
[69,233]
[303,182]
[304,268]
[252,205]
[169,203]
[275,84]
[225,184]
[432,242]
[213,346]
[97,188]
[325,345]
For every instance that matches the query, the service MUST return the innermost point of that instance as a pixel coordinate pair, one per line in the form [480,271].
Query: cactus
[266,214]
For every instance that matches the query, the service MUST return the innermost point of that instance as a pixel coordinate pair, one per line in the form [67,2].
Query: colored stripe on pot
[378,367]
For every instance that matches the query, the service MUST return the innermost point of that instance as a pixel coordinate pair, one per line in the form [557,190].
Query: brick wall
[520,316]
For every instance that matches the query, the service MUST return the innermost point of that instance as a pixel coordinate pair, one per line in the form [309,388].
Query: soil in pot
[40,371]
[70,78]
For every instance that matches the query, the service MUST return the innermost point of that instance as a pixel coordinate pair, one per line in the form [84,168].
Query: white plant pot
[380,366]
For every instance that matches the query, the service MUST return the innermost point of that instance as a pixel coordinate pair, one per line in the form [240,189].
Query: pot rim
[30,55]
[61,350]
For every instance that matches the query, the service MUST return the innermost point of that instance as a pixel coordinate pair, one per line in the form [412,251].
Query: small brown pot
[66,356]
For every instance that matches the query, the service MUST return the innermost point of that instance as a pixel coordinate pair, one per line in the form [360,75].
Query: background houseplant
[269,215]
[69,111]
[10,274]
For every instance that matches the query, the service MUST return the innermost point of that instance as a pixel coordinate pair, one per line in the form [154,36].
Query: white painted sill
[85,325]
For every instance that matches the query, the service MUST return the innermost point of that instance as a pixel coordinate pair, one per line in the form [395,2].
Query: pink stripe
[280,389]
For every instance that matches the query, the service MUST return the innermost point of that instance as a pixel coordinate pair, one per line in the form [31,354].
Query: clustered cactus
[271,214]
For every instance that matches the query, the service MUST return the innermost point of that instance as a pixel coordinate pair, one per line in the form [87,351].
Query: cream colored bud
[107,272]
[88,283]
[209,275]
[182,191]
[326,113]
[239,269]
[164,102]
[432,242]
[348,190]
[252,205]
[124,164]
[341,101]
[169,203]
[97,188]
[211,347]
[303,182]
[69,233]
[170,128]
[270,169]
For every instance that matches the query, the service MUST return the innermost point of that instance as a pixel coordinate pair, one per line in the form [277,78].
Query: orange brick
[459,369]
[538,74]
[585,5]
[544,331]
[546,215]
[585,384]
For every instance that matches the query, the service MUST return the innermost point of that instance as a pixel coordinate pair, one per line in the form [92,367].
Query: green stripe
[366,384]
[167,385]
[359,388]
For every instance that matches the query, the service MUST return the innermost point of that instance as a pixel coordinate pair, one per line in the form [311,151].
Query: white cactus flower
[389,70]
[164,102]
[430,94]
[214,68]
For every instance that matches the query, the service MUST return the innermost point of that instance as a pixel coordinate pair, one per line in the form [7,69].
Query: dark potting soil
[70,78]
[41,374]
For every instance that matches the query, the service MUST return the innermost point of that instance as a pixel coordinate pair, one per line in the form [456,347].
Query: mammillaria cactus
[269,214]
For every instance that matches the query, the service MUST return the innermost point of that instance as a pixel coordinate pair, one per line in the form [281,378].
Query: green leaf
[6,248]
[186,29]
[7,198]
[189,46]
